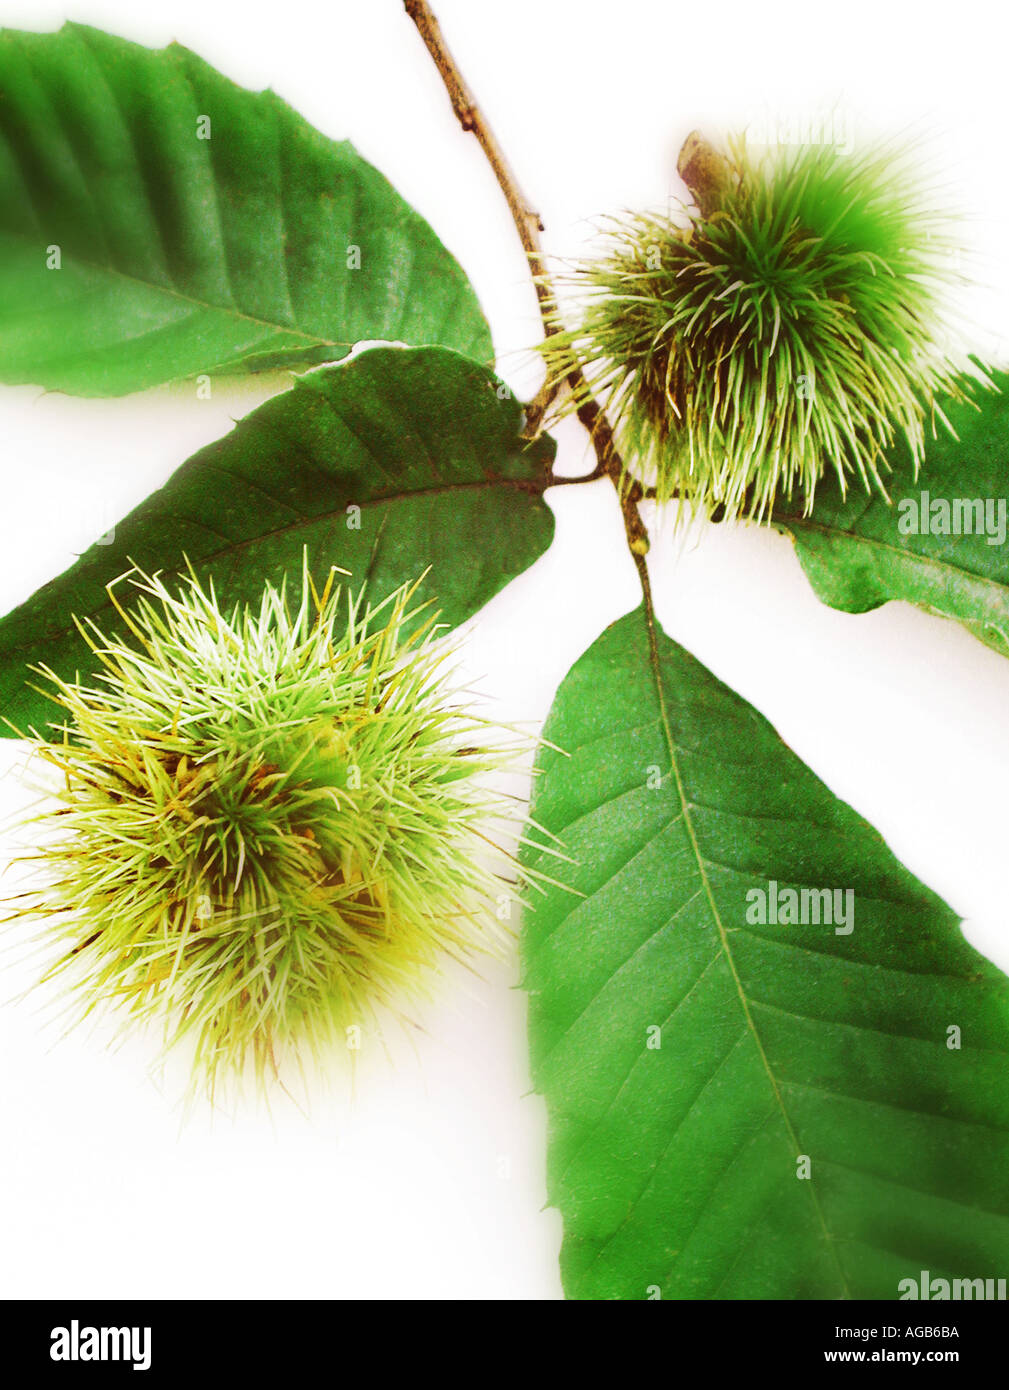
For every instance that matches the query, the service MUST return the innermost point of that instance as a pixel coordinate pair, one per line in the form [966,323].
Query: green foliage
[676,1166]
[199,227]
[395,463]
[271,823]
[859,552]
[797,327]
[268,826]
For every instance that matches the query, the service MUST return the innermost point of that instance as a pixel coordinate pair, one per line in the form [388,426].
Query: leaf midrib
[230,310]
[532,487]
[916,557]
[656,671]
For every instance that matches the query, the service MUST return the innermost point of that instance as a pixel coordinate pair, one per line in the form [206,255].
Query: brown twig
[529,226]
[471,118]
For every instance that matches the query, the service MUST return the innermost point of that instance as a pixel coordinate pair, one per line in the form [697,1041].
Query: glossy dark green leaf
[942,544]
[693,1057]
[396,462]
[157,221]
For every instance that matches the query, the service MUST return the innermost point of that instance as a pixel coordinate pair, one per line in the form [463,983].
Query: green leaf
[858,552]
[180,254]
[424,442]
[675,1167]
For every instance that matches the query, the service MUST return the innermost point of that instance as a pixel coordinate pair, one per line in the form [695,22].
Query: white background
[426,1178]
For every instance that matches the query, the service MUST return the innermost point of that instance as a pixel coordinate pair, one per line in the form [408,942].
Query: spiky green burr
[272,820]
[796,322]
